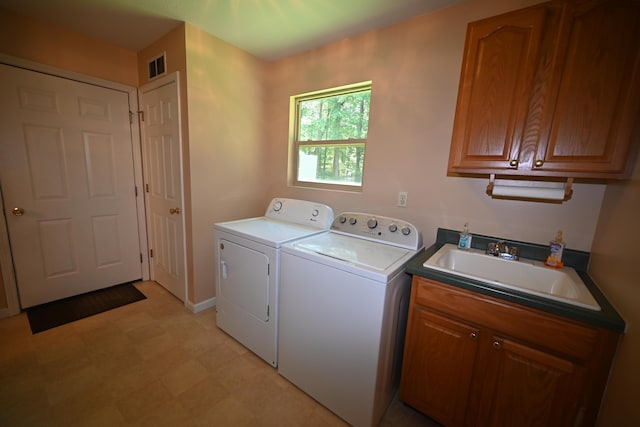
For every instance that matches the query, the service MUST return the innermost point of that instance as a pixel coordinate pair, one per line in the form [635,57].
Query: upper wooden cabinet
[551,90]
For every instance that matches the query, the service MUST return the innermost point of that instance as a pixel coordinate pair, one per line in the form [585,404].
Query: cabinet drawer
[553,333]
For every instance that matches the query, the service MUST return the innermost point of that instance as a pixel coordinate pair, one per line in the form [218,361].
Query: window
[329,134]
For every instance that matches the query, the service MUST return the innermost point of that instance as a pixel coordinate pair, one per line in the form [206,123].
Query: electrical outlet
[402,199]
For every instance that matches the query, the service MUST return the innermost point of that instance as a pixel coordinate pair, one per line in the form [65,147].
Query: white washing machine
[248,273]
[344,299]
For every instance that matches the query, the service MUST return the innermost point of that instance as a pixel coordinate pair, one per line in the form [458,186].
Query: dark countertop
[607,317]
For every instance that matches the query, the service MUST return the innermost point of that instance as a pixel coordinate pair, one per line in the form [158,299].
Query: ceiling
[268,29]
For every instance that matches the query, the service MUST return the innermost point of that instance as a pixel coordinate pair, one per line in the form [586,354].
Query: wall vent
[157,67]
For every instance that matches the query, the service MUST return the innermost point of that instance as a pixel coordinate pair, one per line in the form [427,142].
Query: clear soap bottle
[465,238]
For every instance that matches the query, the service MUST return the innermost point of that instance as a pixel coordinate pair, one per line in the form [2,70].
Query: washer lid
[267,231]
[353,250]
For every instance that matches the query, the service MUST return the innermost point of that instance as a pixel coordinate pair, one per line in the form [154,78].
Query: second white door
[163,176]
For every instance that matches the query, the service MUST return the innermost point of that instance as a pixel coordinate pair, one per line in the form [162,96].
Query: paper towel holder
[533,191]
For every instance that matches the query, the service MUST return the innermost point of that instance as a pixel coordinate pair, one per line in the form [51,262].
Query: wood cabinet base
[475,360]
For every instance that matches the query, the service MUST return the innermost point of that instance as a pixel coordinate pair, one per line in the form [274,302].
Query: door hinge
[268,269]
[146,187]
[150,253]
[267,311]
[135,189]
[141,258]
[140,116]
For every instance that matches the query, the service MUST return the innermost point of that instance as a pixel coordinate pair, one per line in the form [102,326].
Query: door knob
[17,211]
[513,163]
[538,163]
[174,211]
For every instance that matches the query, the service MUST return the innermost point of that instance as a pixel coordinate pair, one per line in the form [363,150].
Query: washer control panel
[300,212]
[378,228]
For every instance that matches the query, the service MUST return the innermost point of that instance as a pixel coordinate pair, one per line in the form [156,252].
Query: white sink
[533,277]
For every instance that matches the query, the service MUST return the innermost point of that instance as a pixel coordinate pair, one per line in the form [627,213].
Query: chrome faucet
[502,250]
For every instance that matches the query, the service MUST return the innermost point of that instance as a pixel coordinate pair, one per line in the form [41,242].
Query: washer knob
[277,206]
[342,219]
[405,230]
[393,228]
[353,221]
[372,223]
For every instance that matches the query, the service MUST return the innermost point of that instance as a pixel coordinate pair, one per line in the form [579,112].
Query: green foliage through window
[330,135]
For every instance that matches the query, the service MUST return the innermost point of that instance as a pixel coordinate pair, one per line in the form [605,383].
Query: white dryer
[248,272]
[344,299]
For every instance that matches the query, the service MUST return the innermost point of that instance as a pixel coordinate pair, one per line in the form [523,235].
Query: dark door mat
[57,313]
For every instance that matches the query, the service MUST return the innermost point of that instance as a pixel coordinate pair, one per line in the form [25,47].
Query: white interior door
[163,183]
[67,177]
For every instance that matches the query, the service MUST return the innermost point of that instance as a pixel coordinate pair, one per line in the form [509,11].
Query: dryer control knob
[315,212]
[352,221]
[405,230]
[342,219]
[393,228]
[372,223]
[277,206]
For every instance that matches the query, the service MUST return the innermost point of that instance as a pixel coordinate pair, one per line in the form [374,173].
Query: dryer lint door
[243,276]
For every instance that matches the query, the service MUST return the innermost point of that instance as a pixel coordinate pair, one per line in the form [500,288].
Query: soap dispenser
[465,238]
[556,247]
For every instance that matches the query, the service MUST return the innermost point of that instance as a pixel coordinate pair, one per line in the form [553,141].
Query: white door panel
[163,175]
[67,161]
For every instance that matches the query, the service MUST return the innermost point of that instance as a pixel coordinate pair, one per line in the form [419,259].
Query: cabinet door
[500,60]
[589,117]
[528,387]
[438,366]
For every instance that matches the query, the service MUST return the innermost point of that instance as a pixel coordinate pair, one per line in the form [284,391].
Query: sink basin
[529,276]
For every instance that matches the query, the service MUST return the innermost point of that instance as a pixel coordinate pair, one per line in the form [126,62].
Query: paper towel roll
[528,192]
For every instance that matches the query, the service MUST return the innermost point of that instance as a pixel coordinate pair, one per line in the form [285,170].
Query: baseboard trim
[201,306]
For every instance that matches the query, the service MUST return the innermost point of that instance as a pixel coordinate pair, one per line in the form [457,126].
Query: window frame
[295,144]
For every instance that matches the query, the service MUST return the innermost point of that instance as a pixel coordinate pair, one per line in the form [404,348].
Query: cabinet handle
[513,163]
[497,345]
[538,163]
[473,336]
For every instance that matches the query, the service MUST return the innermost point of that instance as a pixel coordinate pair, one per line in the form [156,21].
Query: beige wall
[615,266]
[48,44]
[415,69]
[227,148]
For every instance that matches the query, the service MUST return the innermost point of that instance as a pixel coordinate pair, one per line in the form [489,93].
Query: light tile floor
[150,363]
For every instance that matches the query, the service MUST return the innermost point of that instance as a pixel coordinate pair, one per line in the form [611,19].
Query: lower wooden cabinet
[475,360]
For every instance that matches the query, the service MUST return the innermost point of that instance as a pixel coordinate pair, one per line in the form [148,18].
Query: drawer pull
[473,336]
[497,345]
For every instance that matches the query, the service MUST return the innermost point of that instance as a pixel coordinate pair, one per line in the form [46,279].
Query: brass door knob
[513,163]
[538,163]
[17,211]
[174,211]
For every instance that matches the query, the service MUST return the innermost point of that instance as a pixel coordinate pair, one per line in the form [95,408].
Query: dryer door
[243,276]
